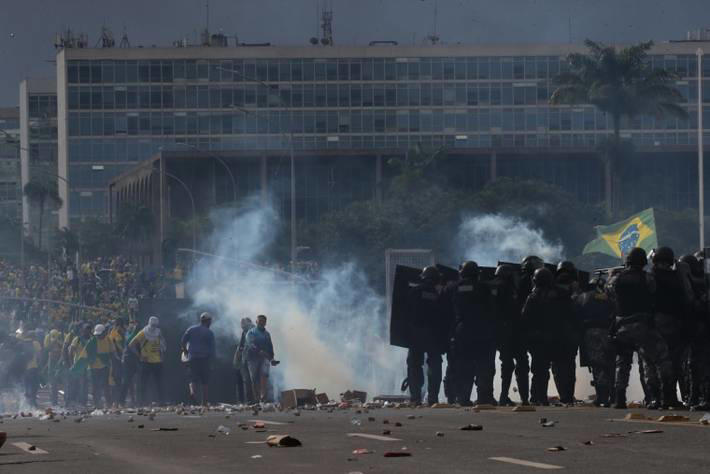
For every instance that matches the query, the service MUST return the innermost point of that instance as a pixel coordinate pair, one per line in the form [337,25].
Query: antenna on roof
[106,39]
[327,24]
[124,39]
[433,37]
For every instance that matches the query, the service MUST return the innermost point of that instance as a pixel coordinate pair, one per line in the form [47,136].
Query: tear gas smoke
[330,334]
[490,238]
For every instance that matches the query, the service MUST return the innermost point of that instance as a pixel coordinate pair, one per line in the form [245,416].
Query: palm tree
[622,84]
[41,192]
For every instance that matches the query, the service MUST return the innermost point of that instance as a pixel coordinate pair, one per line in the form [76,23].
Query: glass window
[379,69]
[155,71]
[390,70]
[155,97]
[273,70]
[483,68]
[167,97]
[460,72]
[73,98]
[296,70]
[215,98]
[308,95]
[308,70]
[356,95]
[320,92]
[402,95]
[84,72]
[343,70]
[367,95]
[425,69]
[332,95]
[107,71]
[413,94]
[96,73]
[331,70]
[367,71]
[390,95]
[73,72]
[108,98]
[344,95]
[284,71]
[96,98]
[179,69]
[202,97]
[202,72]
[143,71]
[379,95]
[131,71]
[495,93]
[471,69]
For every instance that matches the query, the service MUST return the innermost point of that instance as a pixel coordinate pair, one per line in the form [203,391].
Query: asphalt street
[594,440]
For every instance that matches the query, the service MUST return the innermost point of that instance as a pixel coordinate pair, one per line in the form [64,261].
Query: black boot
[620,400]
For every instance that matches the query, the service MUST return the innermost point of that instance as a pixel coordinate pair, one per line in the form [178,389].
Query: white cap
[99,329]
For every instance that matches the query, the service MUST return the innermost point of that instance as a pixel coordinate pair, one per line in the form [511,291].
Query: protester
[260,356]
[245,393]
[199,345]
[150,347]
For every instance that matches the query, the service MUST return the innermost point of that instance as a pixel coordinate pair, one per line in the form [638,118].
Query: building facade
[344,110]
[10,189]
[38,149]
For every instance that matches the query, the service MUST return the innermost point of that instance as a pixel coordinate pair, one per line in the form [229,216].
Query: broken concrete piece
[322,398]
[673,418]
[397,454]
[635,416]
[557,448]
[442,405]
[362,451]
[523,408]
[282,441]
[351,395]
[298,397]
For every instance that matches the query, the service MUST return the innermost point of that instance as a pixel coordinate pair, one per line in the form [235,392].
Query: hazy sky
[28,27]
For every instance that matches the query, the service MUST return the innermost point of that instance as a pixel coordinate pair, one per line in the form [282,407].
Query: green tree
[41,193]
[622,84]
[134,225]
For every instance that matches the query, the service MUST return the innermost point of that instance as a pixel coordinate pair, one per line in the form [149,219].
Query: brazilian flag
[618,239]
[87,355]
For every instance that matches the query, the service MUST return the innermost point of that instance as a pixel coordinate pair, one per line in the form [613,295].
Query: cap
[99,329]
[205,317]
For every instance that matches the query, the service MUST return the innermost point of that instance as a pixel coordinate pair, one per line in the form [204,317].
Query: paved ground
[110,443]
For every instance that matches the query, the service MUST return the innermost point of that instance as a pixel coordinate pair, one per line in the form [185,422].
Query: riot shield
[404,277]
[448,274]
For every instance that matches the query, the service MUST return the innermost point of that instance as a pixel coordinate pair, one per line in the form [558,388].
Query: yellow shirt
[36,351]
[104,349]
[149,350]
[53,343]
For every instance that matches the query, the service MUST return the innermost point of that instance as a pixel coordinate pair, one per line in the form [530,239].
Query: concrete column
[264,179]
[494,166]
[378,178]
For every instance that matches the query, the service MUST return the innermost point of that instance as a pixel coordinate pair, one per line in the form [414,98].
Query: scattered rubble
[362,451]
[673,418]
[397,454]
[471,427]
[557,448]
[283,441]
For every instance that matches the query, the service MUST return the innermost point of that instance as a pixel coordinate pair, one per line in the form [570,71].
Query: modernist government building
[226,119]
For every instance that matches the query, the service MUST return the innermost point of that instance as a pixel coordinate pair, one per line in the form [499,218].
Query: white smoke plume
[331,335]
[490,238]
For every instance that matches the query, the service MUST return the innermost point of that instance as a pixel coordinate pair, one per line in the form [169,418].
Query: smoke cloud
[331,335]
[491,238]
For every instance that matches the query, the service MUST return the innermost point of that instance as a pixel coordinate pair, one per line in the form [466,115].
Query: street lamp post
[192,202]
[701,173]
[219,160]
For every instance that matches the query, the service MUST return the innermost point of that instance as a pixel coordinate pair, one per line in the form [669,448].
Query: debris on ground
[398,424]
[614,435]
[673,418]
[3,438]
[557,448]
[356,422]
[548,424]
[298,397]
[259,425]
[283,441]
[386,432]
[588,443]
[362,451]
[522,408]
[140,427]
[483,406]
[164,429]
[370,418]
[705,420]
[440,434]
[385,422]
[442,405]
[353,396]
[411,417]
[130,419]
[649,431]
[79,420]
[397,454]
[635,416]
[257,456]
[471,427]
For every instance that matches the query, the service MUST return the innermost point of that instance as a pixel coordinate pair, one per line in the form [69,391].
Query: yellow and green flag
[618,239]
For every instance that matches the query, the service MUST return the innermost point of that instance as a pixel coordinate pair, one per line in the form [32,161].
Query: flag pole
[701,173]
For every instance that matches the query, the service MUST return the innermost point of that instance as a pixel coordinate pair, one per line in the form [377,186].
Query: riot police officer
[543,314]
[564,372]
[634,292]
[474,341]
[596,313]
[698,329]
[428,334]
[669,317]
[513,354]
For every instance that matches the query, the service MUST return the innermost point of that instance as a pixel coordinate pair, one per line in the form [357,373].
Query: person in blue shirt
[199,348]
[260,356]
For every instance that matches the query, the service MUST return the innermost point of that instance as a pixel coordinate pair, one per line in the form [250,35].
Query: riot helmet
[469,269]
[696,267]
[663,256]
[531,263]
[543,277]
[504,271]
[430,273]
[566,266]
[636,257]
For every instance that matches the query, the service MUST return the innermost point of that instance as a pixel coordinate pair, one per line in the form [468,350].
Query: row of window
[347,69]
[42,105]
[321,95]
[529,119]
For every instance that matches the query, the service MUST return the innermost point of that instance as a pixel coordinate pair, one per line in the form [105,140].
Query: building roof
[378,51]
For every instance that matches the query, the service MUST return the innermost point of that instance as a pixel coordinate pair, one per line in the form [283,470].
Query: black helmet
[542,277]
[504,271]
[700,254]
[531,263]
[696,268]
[469,269]
[430,273]
[637,257]
[663,255]
[566,266]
